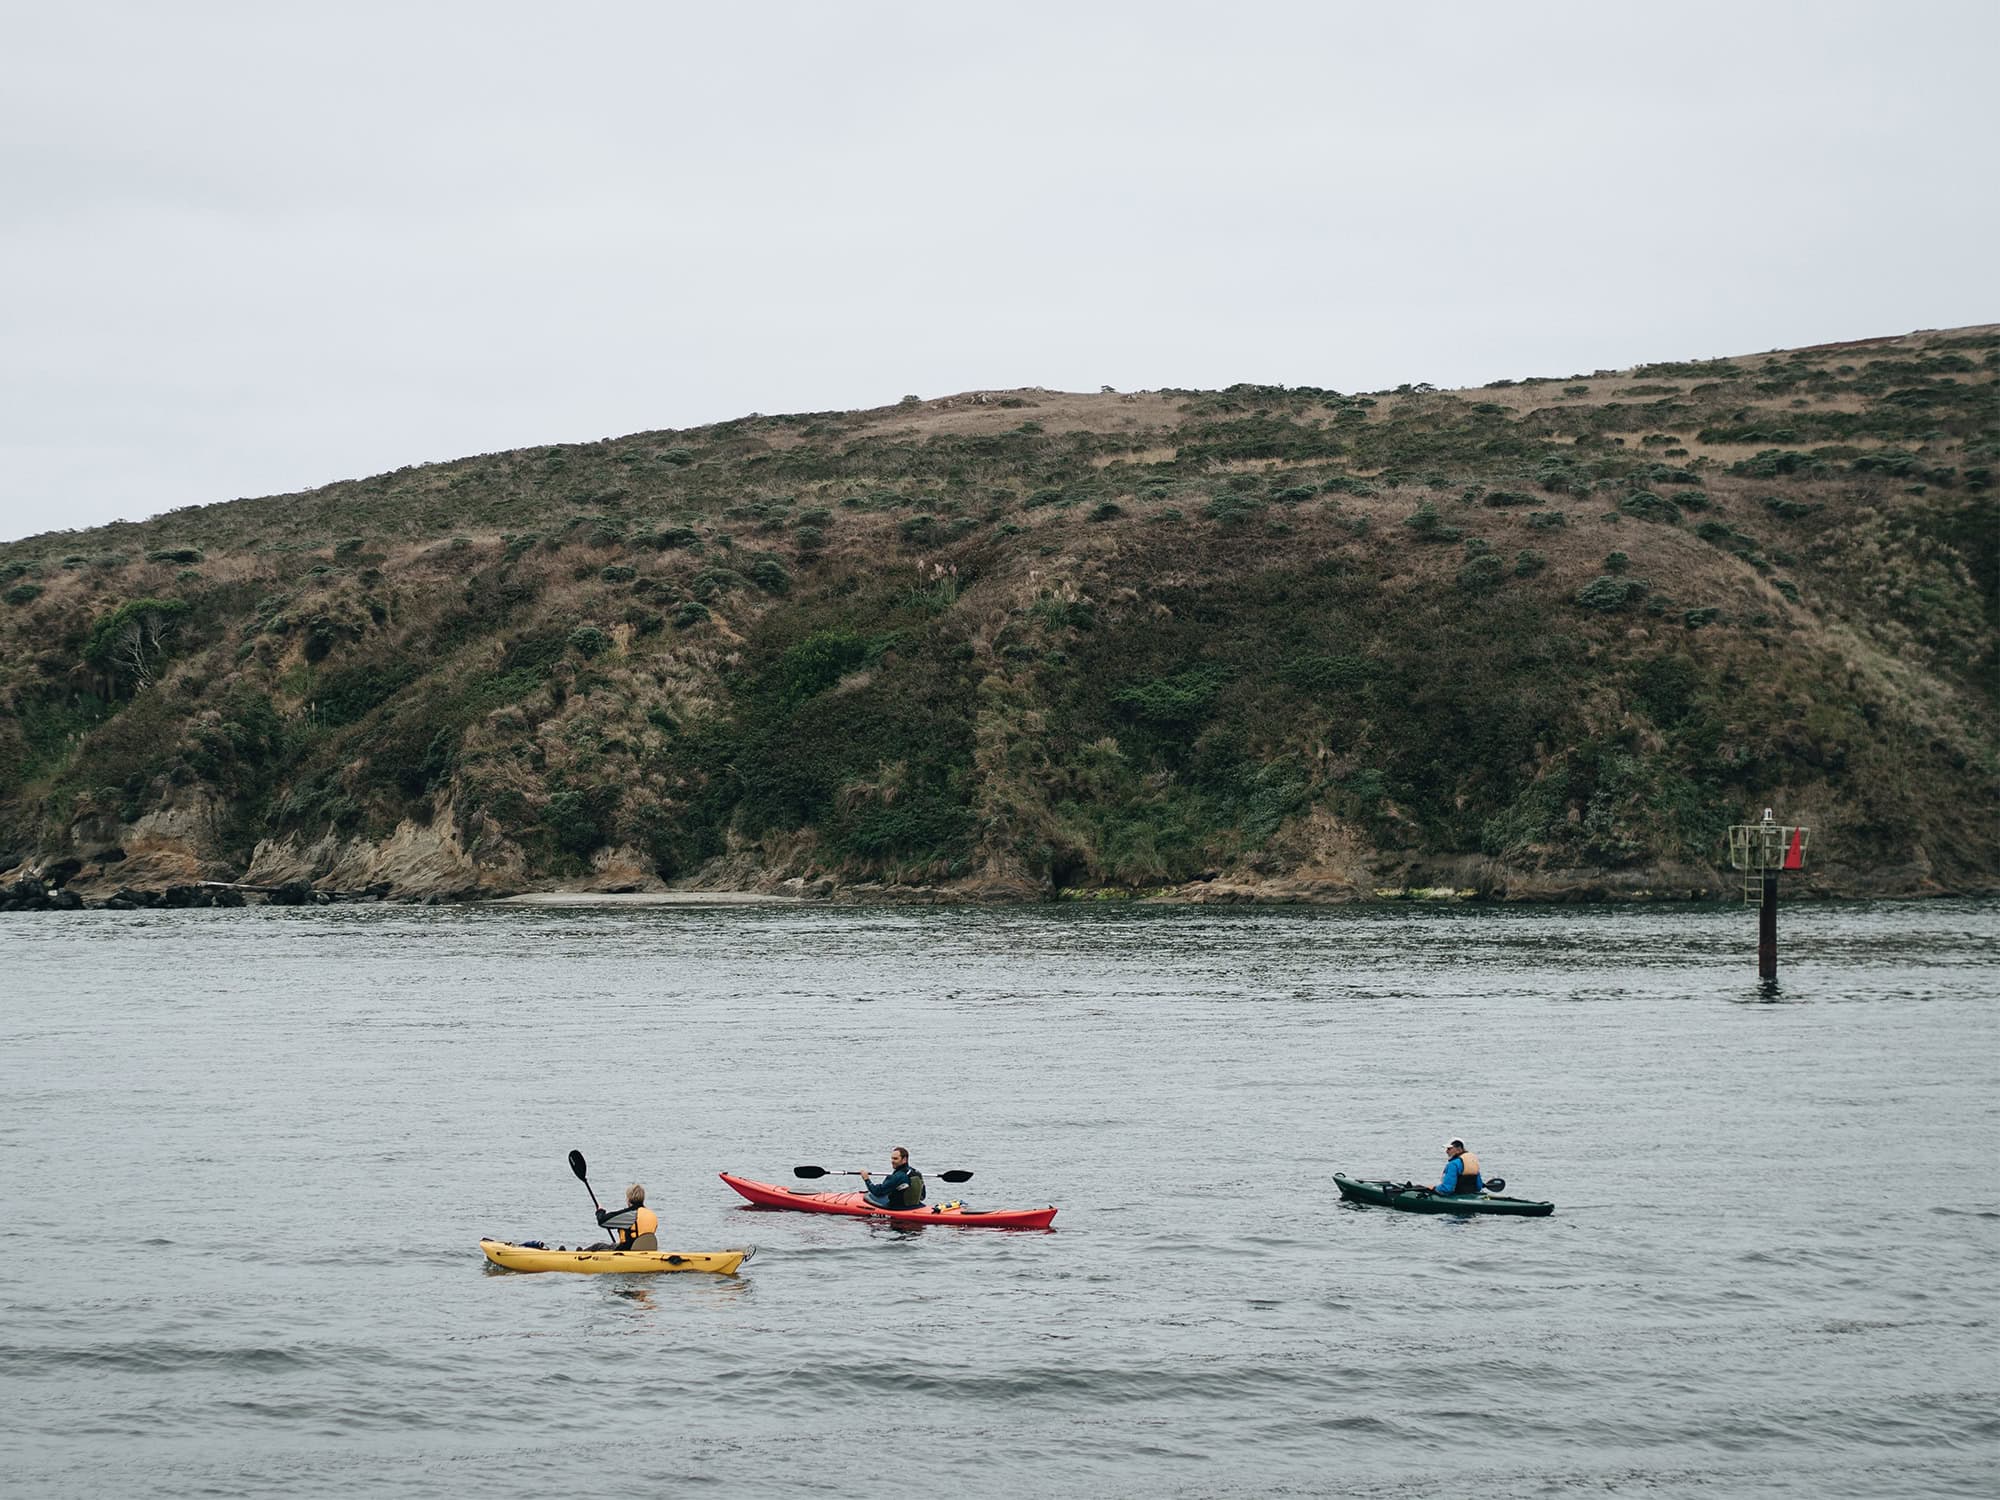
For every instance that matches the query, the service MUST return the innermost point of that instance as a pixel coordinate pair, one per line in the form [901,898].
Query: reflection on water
[301,1122]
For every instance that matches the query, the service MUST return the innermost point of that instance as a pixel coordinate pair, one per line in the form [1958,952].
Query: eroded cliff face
[173,845]
[441,861]
[430,861]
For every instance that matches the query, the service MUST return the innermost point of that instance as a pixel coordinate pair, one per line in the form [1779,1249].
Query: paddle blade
[578,1165]
[954,1176]
[809,1172]
[1496,1184]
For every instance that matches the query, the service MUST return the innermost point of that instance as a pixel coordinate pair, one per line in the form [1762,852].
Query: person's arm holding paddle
[635,1226]
[902,1188]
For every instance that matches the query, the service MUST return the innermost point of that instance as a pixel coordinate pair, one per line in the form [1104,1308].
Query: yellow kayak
[619,1262]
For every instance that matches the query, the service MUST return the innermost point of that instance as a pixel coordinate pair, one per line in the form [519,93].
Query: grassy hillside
[1549,635]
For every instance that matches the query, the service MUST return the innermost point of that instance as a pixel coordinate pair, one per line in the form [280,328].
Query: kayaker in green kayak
[1461,1170]
[902,1188]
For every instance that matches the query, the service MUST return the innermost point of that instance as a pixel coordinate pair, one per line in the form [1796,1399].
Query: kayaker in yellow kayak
[635,1226]
[902,1188]
[1461,1170]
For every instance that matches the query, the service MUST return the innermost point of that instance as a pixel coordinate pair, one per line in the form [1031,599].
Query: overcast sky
[253,248]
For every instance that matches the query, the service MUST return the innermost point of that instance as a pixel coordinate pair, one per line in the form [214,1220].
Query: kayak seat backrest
[645,1242]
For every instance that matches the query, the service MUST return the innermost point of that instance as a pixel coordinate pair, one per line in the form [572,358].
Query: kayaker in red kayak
[902,1188]
[635,1225]
[1461,1170]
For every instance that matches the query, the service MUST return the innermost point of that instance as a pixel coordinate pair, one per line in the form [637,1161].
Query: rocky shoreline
[49,891]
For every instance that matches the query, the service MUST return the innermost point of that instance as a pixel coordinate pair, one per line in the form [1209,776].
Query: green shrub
[1648,506]
[1560,475]
[617,573]
[1428,524]
[1789,510]
[1694,619]
[690,615]
[769,575]
[917,826]
[680,458]
[669,538]
[1771,462]
[129,643]
[588,641]
[351,694]
[1528,562]
[817,663]
[1177,701]
[1229,510]
[324,632]
[1610,595]
[578,819]
[1480,573]
[1507,497]
[1548,520]
[1106,510]
[1616,562]
[710,583]
[1718,534]
[182,555]
[1328,674]
[24,593]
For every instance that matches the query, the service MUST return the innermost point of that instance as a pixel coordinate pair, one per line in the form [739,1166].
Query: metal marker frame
[1761,850]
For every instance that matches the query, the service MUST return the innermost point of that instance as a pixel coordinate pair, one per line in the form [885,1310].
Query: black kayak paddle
[812,1172]
[1490,1185]
[579,1166]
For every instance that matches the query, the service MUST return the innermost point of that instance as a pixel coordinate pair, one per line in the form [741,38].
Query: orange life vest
[643,1235]
[1468,1172]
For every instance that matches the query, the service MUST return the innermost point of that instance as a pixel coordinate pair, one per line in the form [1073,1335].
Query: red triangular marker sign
[1795,855]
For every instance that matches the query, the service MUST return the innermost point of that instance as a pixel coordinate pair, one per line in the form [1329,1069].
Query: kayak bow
[857,1206]
[1412,1199]
[514,1257]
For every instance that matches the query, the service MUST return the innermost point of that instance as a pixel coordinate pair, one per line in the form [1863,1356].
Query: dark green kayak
[1413,1199]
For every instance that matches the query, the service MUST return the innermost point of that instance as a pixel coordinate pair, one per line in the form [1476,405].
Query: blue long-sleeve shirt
[1450,1184]
[882,1193]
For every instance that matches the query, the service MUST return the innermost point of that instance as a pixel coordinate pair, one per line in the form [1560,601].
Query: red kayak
[857,1206]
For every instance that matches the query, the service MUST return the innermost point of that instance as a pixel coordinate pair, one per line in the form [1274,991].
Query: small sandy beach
[644,898]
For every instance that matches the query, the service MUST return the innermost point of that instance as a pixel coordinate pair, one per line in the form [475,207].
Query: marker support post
[1760,850]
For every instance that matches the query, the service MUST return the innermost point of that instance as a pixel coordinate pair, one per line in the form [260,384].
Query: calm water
[268,1142]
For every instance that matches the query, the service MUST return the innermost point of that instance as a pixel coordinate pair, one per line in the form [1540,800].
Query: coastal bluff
[1538,640]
